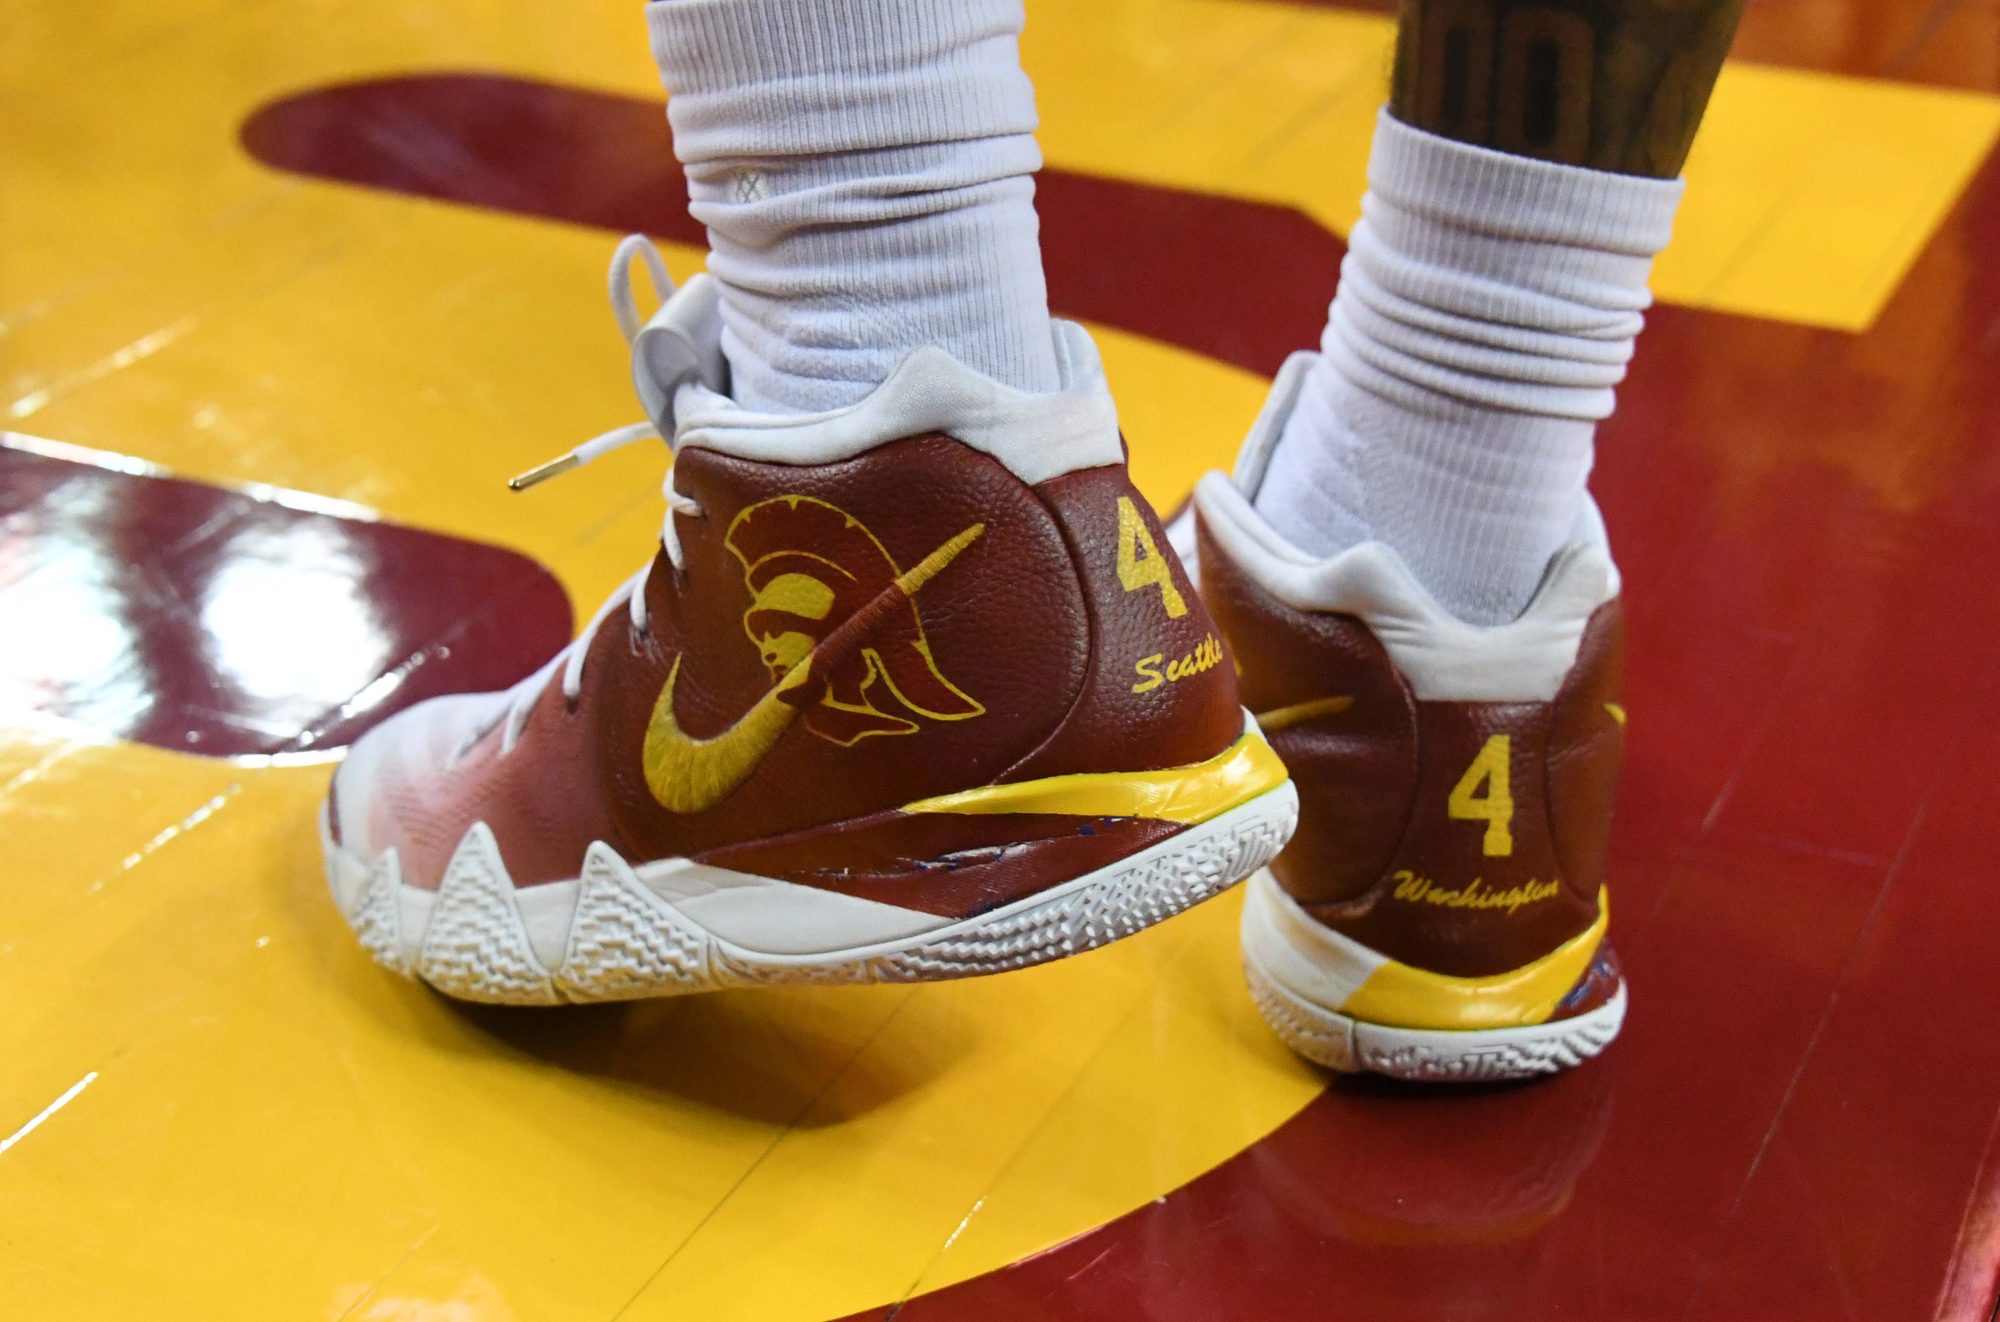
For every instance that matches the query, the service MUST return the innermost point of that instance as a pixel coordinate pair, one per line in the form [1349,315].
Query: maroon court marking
[226,623]
[1138,257]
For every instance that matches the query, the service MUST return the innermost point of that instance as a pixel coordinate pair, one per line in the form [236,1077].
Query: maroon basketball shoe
[913,690]
[1441,912]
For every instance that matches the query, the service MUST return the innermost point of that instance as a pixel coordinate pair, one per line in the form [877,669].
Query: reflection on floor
[287,296]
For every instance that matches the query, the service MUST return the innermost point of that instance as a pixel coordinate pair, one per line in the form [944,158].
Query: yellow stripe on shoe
[1284,718]
[1404,997]
[1187,795]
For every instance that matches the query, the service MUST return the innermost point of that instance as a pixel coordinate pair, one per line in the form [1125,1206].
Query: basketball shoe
[1441,912]
[912,690]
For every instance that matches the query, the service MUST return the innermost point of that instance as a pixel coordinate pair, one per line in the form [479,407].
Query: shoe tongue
[1254,459]
[682,343]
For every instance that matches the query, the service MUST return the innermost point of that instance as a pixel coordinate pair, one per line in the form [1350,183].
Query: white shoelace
[631,593]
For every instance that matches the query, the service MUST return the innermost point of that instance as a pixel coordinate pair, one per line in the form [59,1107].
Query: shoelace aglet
[543,472]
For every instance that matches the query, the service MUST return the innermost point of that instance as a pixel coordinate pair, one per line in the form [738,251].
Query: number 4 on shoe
[913,690]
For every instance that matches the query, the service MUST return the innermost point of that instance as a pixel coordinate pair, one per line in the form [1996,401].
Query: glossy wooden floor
[286,290]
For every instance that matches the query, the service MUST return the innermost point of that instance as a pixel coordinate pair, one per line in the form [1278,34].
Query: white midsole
[677,926]
[1309,959]
[1302,972]
[767,914]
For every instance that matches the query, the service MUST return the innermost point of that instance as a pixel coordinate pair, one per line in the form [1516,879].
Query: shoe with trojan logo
[913,690]
[1441,912]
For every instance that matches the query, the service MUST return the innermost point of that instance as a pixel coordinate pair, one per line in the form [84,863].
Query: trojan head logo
[809,567]
[835,622]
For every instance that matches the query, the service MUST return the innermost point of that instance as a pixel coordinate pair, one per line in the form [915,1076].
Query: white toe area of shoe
[421,741]
[346,874]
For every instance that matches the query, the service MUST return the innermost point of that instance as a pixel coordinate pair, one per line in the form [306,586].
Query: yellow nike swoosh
[690,775]
[1283,718]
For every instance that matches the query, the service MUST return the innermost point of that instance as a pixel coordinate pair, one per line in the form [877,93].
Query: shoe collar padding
[682,377]
[1444,658]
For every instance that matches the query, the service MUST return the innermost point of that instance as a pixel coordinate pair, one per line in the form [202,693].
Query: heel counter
[1503,860]
[1477,885]
[1339,714]
[1159,688]
[1587,748]
[1463,838]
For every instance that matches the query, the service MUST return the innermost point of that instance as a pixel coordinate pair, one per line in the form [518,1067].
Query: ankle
[1475,502]
[1485,315]
[835,267]
[864,168]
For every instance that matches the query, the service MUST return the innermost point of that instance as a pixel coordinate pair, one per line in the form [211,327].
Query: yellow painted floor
[213,1105]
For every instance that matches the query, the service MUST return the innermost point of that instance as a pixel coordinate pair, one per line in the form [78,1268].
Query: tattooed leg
[1615,85]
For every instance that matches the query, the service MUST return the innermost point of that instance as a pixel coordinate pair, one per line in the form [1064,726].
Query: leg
[1441,912]
[1617,85]
[1495,285]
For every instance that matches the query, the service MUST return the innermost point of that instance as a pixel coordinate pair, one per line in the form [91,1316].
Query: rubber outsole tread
[624,941]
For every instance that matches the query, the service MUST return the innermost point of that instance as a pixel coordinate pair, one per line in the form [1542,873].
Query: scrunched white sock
[1487,308]
[864,168]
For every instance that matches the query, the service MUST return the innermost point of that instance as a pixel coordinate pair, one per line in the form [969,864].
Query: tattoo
[1612,84]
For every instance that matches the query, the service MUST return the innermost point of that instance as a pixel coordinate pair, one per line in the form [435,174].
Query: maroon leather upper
[1018,659]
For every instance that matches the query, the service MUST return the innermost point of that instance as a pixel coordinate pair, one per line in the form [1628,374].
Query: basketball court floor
[287,290]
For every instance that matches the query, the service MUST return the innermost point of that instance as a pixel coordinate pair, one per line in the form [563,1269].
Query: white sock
[1486,309]
[864,168]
